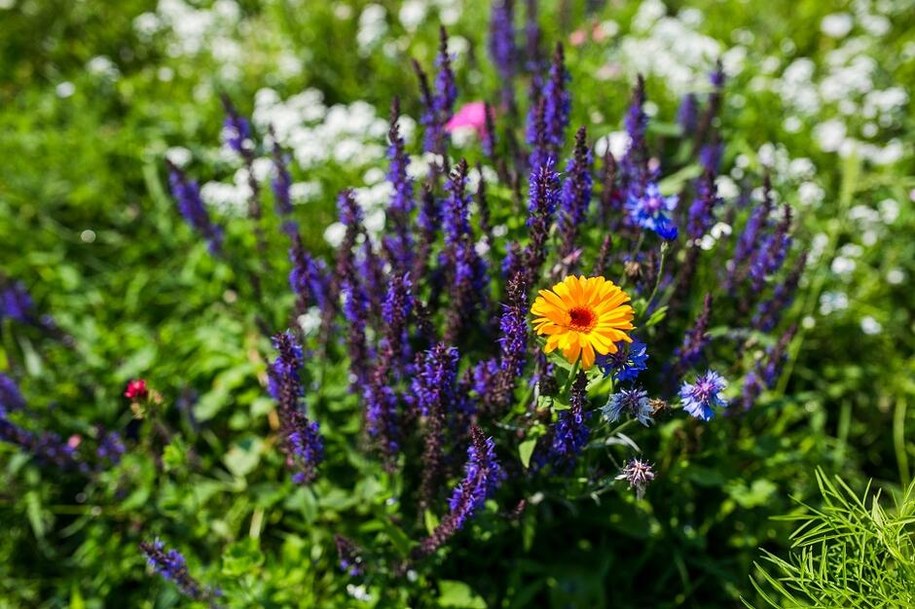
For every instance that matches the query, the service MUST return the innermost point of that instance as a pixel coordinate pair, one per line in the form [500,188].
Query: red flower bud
[137,390]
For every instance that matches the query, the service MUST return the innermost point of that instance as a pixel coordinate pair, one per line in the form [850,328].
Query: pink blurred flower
[578,38]
[74,441]
[471,115]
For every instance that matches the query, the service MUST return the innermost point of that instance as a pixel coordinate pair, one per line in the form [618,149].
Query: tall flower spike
[701,212]
[537,135]
[770,255]
[395,313]
[281,183]
[750,237]
[187,194]
[769,312]
[170,564]
[236,130]
[482,476]
[303,444]
[776,356]
[633,164]
[434,389]
[688,114]
[440,101]
[465,270]
[308,278]
[399,244]
[576,193]
[696,339]
[532,37]
[570,433]
[558,103]
[700,397]
[544,194]
[503,49]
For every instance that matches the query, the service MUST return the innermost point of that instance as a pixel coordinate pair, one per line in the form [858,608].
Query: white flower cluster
[220,31]
[672,48]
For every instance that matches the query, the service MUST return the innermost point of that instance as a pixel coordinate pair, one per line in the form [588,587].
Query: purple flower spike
[482,476]
[558,103]
[576,193]
[651,210]
[399,244]
[281,182]
[236,130]
[570,433]
[702,211]
[503,48]
[688,114]
[544,195]
[170,564]
[303,444]
[770,255]
[700,397]
[187,193]
[350,556]
[696,339]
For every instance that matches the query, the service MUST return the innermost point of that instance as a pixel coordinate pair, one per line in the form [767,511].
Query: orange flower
[583,317]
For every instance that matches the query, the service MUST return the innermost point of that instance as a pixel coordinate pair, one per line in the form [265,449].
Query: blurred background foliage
[88,227]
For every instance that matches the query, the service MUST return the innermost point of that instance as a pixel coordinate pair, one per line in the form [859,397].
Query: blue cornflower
[628,361]
[698,398]
[649,210]
[634,401]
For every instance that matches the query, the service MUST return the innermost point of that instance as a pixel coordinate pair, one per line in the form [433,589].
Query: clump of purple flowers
[627,363]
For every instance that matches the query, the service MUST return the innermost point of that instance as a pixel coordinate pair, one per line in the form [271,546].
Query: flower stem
[573,373]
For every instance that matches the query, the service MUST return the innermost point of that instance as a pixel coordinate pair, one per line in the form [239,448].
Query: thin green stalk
[902,457]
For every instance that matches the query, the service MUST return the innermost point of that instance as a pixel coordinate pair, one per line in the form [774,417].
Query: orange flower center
[582,319]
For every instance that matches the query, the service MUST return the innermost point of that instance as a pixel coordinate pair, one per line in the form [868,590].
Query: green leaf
[431,521]
[243,457]
[460,595]
[526,450]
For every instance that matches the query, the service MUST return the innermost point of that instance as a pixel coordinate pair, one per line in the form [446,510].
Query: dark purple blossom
[633,402]
[187,193]
[395,313]
[536,134]
[700,397]
[47,447]
[633,164]
[308,278]
[710,157]
[532,35]
[170,564]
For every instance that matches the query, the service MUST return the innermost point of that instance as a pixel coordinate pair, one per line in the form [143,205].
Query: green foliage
[851,551]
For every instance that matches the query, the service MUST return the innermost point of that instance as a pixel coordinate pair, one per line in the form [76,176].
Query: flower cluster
[171,565]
